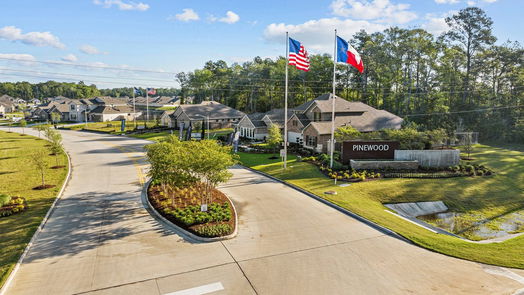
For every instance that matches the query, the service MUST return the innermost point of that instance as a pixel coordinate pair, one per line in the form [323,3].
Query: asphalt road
[101,240]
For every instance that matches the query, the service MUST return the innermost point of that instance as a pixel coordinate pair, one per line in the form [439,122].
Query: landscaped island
[184,176]
[29,183]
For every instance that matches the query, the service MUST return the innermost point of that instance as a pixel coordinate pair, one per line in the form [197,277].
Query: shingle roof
[256,119]
[277,115]
[325,101]
[214,110]
[303,119]
[367,122]
[106,100]
[112,110]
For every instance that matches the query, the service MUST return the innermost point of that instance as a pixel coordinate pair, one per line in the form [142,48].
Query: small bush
[215,230]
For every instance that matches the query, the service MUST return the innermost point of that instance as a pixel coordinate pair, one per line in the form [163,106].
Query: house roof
[256,119]
[212,109]
[106,100]
[325,105]
[367,122]
[277,115]
[303,119]
[105,109]
[6,100]
[61,107]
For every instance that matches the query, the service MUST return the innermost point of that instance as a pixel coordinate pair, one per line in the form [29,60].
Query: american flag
[298,56]
[151,91]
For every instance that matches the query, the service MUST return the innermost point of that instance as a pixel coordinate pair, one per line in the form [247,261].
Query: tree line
[459,80]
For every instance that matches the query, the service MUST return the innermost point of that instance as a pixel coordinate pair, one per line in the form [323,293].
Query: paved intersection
[101,240]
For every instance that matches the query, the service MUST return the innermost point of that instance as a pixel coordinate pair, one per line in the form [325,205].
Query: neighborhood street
[101,240]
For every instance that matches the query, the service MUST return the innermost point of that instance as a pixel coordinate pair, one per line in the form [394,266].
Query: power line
[468,111]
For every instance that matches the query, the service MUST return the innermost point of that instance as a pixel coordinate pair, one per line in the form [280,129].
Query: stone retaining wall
[379,165]
[430,158]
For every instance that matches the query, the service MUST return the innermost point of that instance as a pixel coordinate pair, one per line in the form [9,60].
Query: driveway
[101,240]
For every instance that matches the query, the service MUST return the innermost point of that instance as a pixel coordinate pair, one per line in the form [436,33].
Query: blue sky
[57,38]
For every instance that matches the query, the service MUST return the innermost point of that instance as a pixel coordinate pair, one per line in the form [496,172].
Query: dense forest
[461,79]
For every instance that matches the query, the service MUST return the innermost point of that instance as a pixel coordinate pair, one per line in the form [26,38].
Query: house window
[311,140]
[72,107]
[295,123]
[316,116]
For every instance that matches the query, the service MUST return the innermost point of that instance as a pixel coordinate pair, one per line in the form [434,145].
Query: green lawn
[485,196]
[254,160]
[17,178]
[156,136]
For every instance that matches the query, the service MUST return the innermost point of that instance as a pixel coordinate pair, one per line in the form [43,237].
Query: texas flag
[347,54]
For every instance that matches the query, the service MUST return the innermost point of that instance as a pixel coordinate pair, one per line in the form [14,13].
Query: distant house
[2,110]
[219,115]
[256,126]
[100,108]
[156,102]
[111,109]
[313,120]
[8,103]
[165,118]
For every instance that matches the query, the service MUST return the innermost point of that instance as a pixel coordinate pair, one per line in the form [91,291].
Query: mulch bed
[58,167]
[41,187]
[182,201]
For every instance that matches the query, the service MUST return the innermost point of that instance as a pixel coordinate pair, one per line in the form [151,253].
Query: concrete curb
[336,207]
[186,234]
[40,228]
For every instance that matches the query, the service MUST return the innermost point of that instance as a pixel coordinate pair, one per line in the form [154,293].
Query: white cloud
[471,3]
[70,58]
[436,23]
[122,5]
[18,58]
[379,10]
[89,49]
[318,34]
[13,33]
[187,15]
[447,1]
[230,18]
[490,1]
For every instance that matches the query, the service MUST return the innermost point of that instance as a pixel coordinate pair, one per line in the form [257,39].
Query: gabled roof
[256,119]
[367,122]
[277,116]
[325,105]
[213,110]
[105,109]
[107,100]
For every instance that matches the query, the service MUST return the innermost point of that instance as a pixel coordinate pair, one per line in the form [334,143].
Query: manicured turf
[488,196]
[17,178]
[250,159]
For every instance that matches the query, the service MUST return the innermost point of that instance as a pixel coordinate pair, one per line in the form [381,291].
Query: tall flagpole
[147,106]
[134,107]
[285,102]
[332,143]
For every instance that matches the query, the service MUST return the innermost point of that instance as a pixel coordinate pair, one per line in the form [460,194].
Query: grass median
[18,177]
[490,196]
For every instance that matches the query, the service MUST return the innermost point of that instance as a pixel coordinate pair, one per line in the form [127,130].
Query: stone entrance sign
[368,150]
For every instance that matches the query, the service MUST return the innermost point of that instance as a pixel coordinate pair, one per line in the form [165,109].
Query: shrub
[215,230]
[337,165]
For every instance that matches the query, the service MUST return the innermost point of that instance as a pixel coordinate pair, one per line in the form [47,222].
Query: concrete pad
[367,267]
[140,288]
